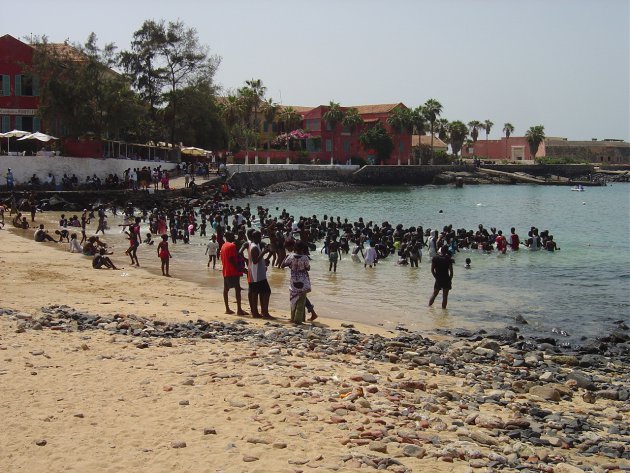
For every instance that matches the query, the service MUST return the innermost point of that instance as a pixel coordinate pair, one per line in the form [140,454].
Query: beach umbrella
[37,136]
[192,151]
[14,134]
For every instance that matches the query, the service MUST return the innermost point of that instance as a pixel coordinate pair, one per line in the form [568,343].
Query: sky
[563,64]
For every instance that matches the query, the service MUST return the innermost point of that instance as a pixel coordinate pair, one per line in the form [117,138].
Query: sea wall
[23,167]
[255,177]
[565,170]
[400,175]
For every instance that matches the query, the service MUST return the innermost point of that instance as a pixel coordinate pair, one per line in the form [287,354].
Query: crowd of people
[247,242]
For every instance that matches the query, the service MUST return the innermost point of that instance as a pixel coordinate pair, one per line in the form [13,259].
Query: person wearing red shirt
[231,273]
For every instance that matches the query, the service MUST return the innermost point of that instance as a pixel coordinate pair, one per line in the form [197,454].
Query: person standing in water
[442,270]
[164,254]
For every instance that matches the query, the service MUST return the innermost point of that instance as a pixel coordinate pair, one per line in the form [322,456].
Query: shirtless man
[442,270]
[333,254]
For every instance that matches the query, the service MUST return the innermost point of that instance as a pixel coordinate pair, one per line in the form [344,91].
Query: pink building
[513,149]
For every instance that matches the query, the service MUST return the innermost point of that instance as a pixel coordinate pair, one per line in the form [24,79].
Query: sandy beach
[111,371]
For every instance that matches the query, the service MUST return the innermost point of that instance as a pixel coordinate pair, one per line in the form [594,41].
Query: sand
[97,403]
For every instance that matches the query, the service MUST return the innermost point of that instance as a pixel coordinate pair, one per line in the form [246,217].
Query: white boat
[579,188]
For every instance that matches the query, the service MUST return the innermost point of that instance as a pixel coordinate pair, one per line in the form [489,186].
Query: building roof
[376,108]
[425,140]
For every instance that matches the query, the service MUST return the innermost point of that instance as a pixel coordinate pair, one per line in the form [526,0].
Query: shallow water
[581,289]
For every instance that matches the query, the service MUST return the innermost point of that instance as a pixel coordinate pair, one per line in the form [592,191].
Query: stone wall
[400,175]
[260,178]
[23,167]
[542,170]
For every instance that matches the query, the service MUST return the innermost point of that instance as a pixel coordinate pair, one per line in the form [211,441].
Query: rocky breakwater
[405,403]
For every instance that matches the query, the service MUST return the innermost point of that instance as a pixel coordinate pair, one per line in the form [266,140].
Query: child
[148,240]
[74,245]
[467,264]
[211,251]
[164,254]
[371,257]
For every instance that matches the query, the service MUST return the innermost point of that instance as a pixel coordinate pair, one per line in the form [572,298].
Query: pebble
[250,458]
[178,444]
[209,431]
[40,442]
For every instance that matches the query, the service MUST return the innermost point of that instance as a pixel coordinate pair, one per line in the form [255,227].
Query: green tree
[442,129]
[487,126]
[79,88]
[432,110]
[332,116]
[534,136]
[269,111]
[376,138]
[352,119]
[231,111]
[458,133]
[291,118]
[508,129]
[258,91]
[400,121]
[474,126]
[163,59]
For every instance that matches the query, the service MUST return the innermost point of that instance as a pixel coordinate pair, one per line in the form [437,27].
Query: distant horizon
[563,64]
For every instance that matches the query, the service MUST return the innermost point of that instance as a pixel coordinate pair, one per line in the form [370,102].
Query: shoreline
[85,391]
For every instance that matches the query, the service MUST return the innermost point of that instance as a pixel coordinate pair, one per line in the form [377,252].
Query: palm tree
[432,110]
[352,120]
[332,116]
[232,113]
[487,126]
[400,120]
[508,129]
[534,136]
[458,131]
[269,110]
[418,126]
[291,118]
[442,128]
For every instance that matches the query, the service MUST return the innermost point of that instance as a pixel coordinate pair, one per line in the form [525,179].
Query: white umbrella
[192,151]
[37,136]
[12,134]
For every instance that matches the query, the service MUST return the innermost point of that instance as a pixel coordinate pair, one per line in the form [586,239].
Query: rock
[305,383]
[250,458]
[178,444]
[549,393]
[184,402]
[188,382]
[413,451]
[566,468]
[79,415]
[583,380]
[611,394]
[567,360]
[489,421]
[589,397]
[482,438]
[258,440]
[377,446]
[209,431]
[279,445]
[546,376]
[40,442]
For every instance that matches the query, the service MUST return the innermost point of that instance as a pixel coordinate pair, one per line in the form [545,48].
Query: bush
[561,160]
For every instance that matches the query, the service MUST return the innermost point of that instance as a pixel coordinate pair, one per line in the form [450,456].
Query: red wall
[501,149]
[14,53]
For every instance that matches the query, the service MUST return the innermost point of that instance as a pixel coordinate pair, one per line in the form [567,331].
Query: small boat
[579,188]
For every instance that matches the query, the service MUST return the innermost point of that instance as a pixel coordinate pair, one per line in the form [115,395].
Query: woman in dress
[300,283]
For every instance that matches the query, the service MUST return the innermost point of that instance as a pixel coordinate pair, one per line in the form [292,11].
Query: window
[401,146]
[346,146]
[6,86]
[6,124]
[329,146]
[265,127]
[26,85]
[328,126]
[27,123]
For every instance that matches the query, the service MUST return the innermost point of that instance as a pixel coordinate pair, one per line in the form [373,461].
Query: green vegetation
[534,136]
[377,139]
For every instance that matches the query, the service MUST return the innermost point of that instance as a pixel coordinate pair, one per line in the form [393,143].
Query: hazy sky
[560,63]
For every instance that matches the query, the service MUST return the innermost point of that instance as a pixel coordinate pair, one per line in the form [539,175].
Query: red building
[341,143]
[513,149]
[19,91]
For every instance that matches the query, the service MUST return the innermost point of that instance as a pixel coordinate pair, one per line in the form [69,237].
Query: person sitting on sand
[73,245]
[148,240]
[100,261]
[42,235]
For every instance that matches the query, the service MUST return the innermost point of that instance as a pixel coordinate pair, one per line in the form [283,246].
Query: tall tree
[232,112]
[508,129]
[376,138]
[291,118]
[487,126]
[458,133]
[432,110]
[442,129]
[534,136]
[163,59]
[474,126]
[79,89]
[269,111]
[258,91]
[332,116]
[400,121]
[352,119]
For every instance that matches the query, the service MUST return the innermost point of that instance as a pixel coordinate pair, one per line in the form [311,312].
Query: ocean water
[580,290]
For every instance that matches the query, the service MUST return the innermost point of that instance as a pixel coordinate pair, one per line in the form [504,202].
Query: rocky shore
[473,402]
